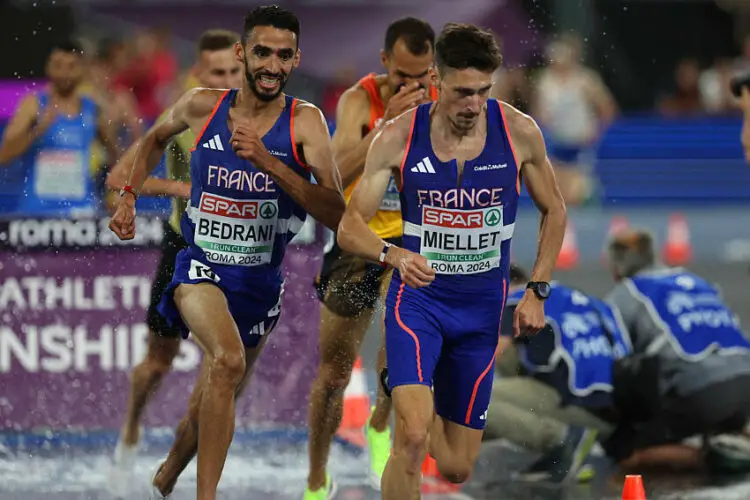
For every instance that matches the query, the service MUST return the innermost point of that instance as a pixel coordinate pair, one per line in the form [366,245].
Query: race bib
[392,200]
[60,174]
[461,241]
[236,232]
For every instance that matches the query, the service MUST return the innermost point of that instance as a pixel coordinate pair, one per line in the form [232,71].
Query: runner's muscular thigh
[205,311]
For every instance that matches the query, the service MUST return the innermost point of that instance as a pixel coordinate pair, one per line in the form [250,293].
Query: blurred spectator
[51,135]
[121,106]
[685,99]
[118,105]
[150,74]
[742,63]
[187,80]
[714,87]
[744,105]
[511,85]
[343,79]
[573,106]
[691,370]
[560,395]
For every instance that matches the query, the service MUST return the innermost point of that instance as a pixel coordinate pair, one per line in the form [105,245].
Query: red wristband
[129,189]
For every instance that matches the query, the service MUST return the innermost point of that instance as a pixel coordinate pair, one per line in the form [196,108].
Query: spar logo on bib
[452,218]
[493,217]
[227,207]
[268,210]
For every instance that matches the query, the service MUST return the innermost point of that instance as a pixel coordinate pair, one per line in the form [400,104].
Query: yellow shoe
[379,445]
[325,493]
[585,474]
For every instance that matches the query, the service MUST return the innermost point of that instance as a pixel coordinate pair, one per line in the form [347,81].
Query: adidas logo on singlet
[424,167]
[214,143]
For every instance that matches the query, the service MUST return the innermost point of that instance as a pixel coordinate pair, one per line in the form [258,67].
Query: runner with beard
[217,66]
[256,152]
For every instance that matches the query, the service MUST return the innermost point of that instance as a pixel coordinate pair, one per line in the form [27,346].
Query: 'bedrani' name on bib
[236,232]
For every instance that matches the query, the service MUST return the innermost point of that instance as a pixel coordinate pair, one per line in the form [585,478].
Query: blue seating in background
[647,160]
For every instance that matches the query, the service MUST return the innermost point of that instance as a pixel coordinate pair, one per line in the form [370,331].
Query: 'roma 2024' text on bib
[461,241]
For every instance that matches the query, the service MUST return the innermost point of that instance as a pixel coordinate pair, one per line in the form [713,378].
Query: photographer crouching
[690,371]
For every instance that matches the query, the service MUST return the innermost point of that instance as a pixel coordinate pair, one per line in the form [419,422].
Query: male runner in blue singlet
[47,144]
[251,189]
[217,66]
[458,164]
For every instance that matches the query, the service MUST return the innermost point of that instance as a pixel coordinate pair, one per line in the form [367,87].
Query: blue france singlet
[691,311]
[59,180]
[239,219]
[584,334]
[463,229]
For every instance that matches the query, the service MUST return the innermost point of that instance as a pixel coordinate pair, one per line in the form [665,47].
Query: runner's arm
[349,147]
[324,200]
[20,133]
[193,107]
[387,149]
[153,186]
[539,177]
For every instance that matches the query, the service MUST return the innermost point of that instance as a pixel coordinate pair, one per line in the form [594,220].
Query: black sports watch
[541,289]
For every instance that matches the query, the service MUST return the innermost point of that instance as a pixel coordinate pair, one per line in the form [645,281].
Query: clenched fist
[412,267]
[528,318]
[247,144]
[123,222]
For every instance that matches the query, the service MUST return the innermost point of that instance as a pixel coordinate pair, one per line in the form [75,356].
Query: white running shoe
[119,479]
[154,493]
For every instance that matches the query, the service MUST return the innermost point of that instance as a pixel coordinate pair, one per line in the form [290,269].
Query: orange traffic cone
[569,255]
[432,481]
[633,489]
[356,407]
[618,224]
[677,250]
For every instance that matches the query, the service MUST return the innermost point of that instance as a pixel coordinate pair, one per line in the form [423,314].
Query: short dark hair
[518,274]
[631,251]
[67,45]
[462,46]
[217,39]
[270,15]
[417,34]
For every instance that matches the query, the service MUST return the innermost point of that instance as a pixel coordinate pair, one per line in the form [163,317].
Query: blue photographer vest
[587,337]
[691,311]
